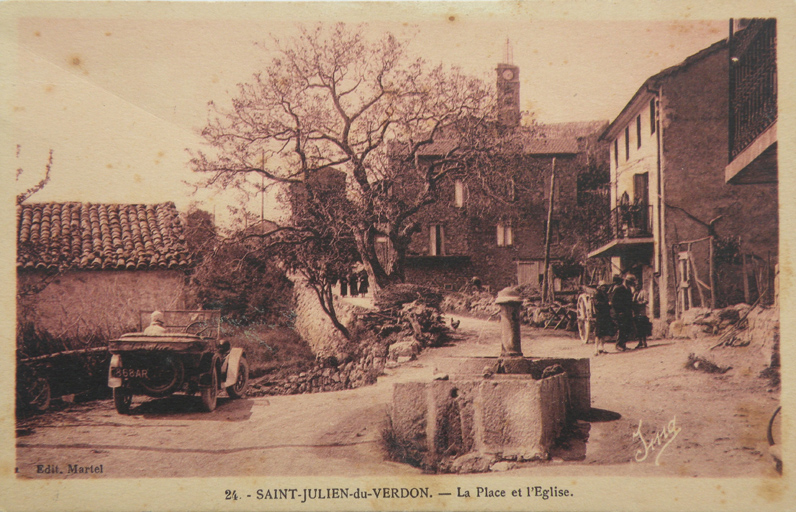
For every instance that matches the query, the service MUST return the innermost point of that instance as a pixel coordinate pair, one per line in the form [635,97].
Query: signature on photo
[660,441]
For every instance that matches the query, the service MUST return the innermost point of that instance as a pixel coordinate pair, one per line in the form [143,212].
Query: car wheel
[33,390]
[238,390]
[210,394]
[166,375]
[122,400]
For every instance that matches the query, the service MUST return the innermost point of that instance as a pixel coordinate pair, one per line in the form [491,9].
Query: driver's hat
[157,316]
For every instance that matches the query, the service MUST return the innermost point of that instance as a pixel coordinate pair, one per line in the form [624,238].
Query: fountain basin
[510,416]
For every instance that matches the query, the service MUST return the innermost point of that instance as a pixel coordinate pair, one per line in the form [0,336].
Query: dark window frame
[653,116]
[627,143]
[638,131]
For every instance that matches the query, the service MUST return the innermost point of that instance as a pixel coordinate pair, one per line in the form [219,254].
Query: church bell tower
[508,90]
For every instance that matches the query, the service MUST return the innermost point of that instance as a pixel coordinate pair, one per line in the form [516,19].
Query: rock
[472,463]
[404,349]
[502,466]
[404,359]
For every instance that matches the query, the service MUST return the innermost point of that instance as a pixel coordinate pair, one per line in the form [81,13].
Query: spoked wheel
[33,390]
[584,318]
[238,389]
[122,400]
[210,395]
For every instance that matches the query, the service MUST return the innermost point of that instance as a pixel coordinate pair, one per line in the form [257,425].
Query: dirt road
[720,422]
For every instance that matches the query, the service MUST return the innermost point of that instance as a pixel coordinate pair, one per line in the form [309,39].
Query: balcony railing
[623,222]
[753,83]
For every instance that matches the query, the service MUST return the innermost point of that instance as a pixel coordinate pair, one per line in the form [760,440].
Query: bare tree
[333,99]
[24,196]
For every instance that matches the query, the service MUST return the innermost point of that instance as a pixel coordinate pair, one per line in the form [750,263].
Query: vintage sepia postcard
[397,256]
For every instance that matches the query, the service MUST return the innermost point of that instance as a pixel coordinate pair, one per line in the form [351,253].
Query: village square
[413,273]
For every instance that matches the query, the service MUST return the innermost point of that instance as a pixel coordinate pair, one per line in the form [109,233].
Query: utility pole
[548,231]
[262,194]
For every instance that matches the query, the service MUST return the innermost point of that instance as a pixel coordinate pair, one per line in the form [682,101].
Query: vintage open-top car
[187,355]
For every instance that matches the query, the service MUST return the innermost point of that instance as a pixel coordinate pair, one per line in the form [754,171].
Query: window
[505,235]
[458,193]
[627,143]
[616,151]
[512,190]
[436,240]
[653,116]
[638,131]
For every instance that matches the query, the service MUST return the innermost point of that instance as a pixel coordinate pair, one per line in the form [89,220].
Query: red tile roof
[100,236]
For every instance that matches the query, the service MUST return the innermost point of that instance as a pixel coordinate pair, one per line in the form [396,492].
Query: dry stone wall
[315,327]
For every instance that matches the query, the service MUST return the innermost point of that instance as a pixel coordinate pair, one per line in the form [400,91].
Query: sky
[121,98]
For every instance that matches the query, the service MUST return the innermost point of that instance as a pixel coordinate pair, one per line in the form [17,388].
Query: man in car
[156,322]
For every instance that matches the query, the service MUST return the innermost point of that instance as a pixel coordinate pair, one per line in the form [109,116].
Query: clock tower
[508,93]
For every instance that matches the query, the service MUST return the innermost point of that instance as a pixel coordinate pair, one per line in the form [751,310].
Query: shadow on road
[190,408]
[600,415]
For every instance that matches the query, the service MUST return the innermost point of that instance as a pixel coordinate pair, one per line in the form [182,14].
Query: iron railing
[753,83]
[624,221]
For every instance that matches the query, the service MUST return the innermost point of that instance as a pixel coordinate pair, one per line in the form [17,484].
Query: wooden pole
[548,231]
[746,297]
[712,270]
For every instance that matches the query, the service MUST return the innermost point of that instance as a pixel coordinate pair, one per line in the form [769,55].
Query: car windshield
[204,323]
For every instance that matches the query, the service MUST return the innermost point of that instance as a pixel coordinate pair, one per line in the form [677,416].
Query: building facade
[492,225]
[88,269]
[675,223]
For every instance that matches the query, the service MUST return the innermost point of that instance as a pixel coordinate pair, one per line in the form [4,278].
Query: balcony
[623,227]
[753,104]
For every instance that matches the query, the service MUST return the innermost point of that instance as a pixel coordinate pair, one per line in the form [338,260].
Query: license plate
[130,373]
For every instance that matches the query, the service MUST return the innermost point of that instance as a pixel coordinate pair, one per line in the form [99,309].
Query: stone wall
[314,325]
[104,302]
[325,377]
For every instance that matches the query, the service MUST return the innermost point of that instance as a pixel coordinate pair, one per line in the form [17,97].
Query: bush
[395,296]
[270,350]
[78,373]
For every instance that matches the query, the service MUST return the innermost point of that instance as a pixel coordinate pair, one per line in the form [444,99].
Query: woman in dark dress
[604,326]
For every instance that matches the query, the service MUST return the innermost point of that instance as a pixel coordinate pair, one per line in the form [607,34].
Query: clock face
[508,74]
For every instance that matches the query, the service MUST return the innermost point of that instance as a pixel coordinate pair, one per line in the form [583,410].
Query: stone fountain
[507,407]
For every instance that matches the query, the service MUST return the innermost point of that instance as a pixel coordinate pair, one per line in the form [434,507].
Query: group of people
[620,309]
[355,284]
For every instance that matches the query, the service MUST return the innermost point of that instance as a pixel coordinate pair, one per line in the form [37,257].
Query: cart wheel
[584,322]
[210,395]
[122,400]
[37,393]
[584,330]
[238,389]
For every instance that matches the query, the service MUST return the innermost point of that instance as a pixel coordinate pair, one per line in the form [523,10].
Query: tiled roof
[572,129]
[100,236]
[532,145]
[550,146]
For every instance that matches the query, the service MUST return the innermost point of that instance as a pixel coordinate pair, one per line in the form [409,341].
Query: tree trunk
[326,298]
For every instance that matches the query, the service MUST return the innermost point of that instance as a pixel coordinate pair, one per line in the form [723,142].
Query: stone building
[90,268]
[499,236]
[675,223]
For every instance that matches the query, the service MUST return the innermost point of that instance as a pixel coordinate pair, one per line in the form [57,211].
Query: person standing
[604,326]
[352,285]
[622,310]
[641,322]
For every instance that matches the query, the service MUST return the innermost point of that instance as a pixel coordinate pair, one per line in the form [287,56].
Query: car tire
[238,390]
[172,367]
[210,394]
[122,400]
